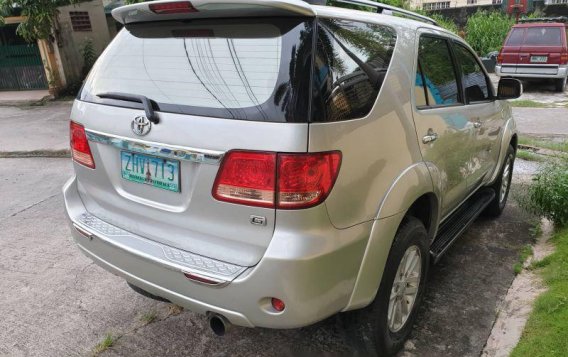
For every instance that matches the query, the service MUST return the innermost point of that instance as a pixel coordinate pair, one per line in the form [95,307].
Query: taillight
[177,7]
[247,177]
[564,58]
[80,145]
[285,181]
[304,180]
[500,57]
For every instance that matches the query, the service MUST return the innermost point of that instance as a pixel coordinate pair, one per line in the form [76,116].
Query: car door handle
[431,137]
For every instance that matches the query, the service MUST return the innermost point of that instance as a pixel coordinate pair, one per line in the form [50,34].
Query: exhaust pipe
[218,324]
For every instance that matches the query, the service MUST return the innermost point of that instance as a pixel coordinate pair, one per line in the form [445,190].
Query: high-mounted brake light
[177,7]
[285,181]
[80,145]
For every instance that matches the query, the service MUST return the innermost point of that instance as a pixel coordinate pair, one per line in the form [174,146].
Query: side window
[437,72]
[474,81]
[351,62]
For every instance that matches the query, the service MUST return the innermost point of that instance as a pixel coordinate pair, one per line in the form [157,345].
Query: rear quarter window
[351,61]
[515,38]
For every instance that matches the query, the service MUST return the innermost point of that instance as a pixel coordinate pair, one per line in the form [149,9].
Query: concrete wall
[71,42]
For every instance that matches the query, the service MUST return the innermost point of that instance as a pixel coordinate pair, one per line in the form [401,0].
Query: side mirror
[509,88]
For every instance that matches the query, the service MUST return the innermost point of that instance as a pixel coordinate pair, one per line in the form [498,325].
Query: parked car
[272,163]
[534,50]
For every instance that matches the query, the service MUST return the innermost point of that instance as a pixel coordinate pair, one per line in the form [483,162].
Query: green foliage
[89,56]
[486,30]
[445,22]
[40,16]
[547,195]
[546,333]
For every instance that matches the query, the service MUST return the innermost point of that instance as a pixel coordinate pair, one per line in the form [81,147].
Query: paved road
[55,302]
[542,121]
[35,128]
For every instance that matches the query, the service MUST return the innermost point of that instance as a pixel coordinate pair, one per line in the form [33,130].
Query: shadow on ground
[460,307]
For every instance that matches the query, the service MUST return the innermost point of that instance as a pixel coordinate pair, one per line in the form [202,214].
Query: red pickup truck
[536,49]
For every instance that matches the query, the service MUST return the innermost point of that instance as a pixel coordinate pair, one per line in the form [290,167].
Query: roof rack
[563,19]
[381,7]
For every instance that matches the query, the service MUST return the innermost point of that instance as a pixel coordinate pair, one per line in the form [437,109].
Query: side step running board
[459,221]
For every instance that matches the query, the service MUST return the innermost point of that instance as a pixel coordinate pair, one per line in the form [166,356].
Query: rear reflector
[200,279]
[177,7]
[80,145]
[285,181]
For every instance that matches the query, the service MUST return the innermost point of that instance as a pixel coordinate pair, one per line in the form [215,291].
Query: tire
[370,328]
[560,84]
[502,186]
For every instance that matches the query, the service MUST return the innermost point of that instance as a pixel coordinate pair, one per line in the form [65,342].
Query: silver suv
[272,163]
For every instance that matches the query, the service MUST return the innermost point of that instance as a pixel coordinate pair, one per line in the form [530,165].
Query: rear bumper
[315,281]
[532,71]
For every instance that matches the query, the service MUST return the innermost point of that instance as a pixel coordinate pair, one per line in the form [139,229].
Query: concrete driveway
[55,302]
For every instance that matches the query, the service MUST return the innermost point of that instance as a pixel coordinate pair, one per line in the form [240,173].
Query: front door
[444,131]
[483,111]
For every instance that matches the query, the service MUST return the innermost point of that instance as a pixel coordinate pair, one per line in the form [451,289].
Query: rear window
[515,38]
[247,69]
[543,36]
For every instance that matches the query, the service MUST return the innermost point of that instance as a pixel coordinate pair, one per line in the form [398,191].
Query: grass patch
[107,342]
[526,252]
[149,317]
[529,156]
[561,146]
[527,103]
[546,333]
[174,310]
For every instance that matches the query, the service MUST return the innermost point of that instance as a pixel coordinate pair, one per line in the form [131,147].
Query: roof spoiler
[195,9]
[561,19]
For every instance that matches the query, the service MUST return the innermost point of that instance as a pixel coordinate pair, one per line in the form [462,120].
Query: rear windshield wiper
[147,103]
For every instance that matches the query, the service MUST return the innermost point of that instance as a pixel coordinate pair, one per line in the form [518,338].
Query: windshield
[248,69]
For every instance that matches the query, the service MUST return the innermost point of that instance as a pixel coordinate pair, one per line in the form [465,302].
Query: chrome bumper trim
[169,257]
[152,148]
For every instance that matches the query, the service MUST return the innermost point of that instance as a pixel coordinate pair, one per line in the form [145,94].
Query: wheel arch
[412,193]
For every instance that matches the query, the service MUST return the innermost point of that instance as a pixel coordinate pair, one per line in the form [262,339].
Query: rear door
[216,85]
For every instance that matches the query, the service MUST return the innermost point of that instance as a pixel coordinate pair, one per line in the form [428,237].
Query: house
[56,62]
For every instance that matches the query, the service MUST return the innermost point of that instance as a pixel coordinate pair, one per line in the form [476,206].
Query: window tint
[351,62]
[473,78]
[438,71]
[515,38]
[543,36]
[250,69]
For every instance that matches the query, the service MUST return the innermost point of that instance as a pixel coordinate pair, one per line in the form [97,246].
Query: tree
[40,16]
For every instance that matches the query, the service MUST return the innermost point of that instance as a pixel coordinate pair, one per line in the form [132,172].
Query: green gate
[21,68]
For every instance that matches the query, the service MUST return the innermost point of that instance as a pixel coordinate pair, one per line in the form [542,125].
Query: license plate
[539,59]
[150,170]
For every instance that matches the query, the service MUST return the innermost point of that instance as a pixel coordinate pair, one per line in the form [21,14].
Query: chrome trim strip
[152,148]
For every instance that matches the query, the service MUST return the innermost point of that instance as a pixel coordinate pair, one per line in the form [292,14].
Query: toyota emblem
[141,126]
